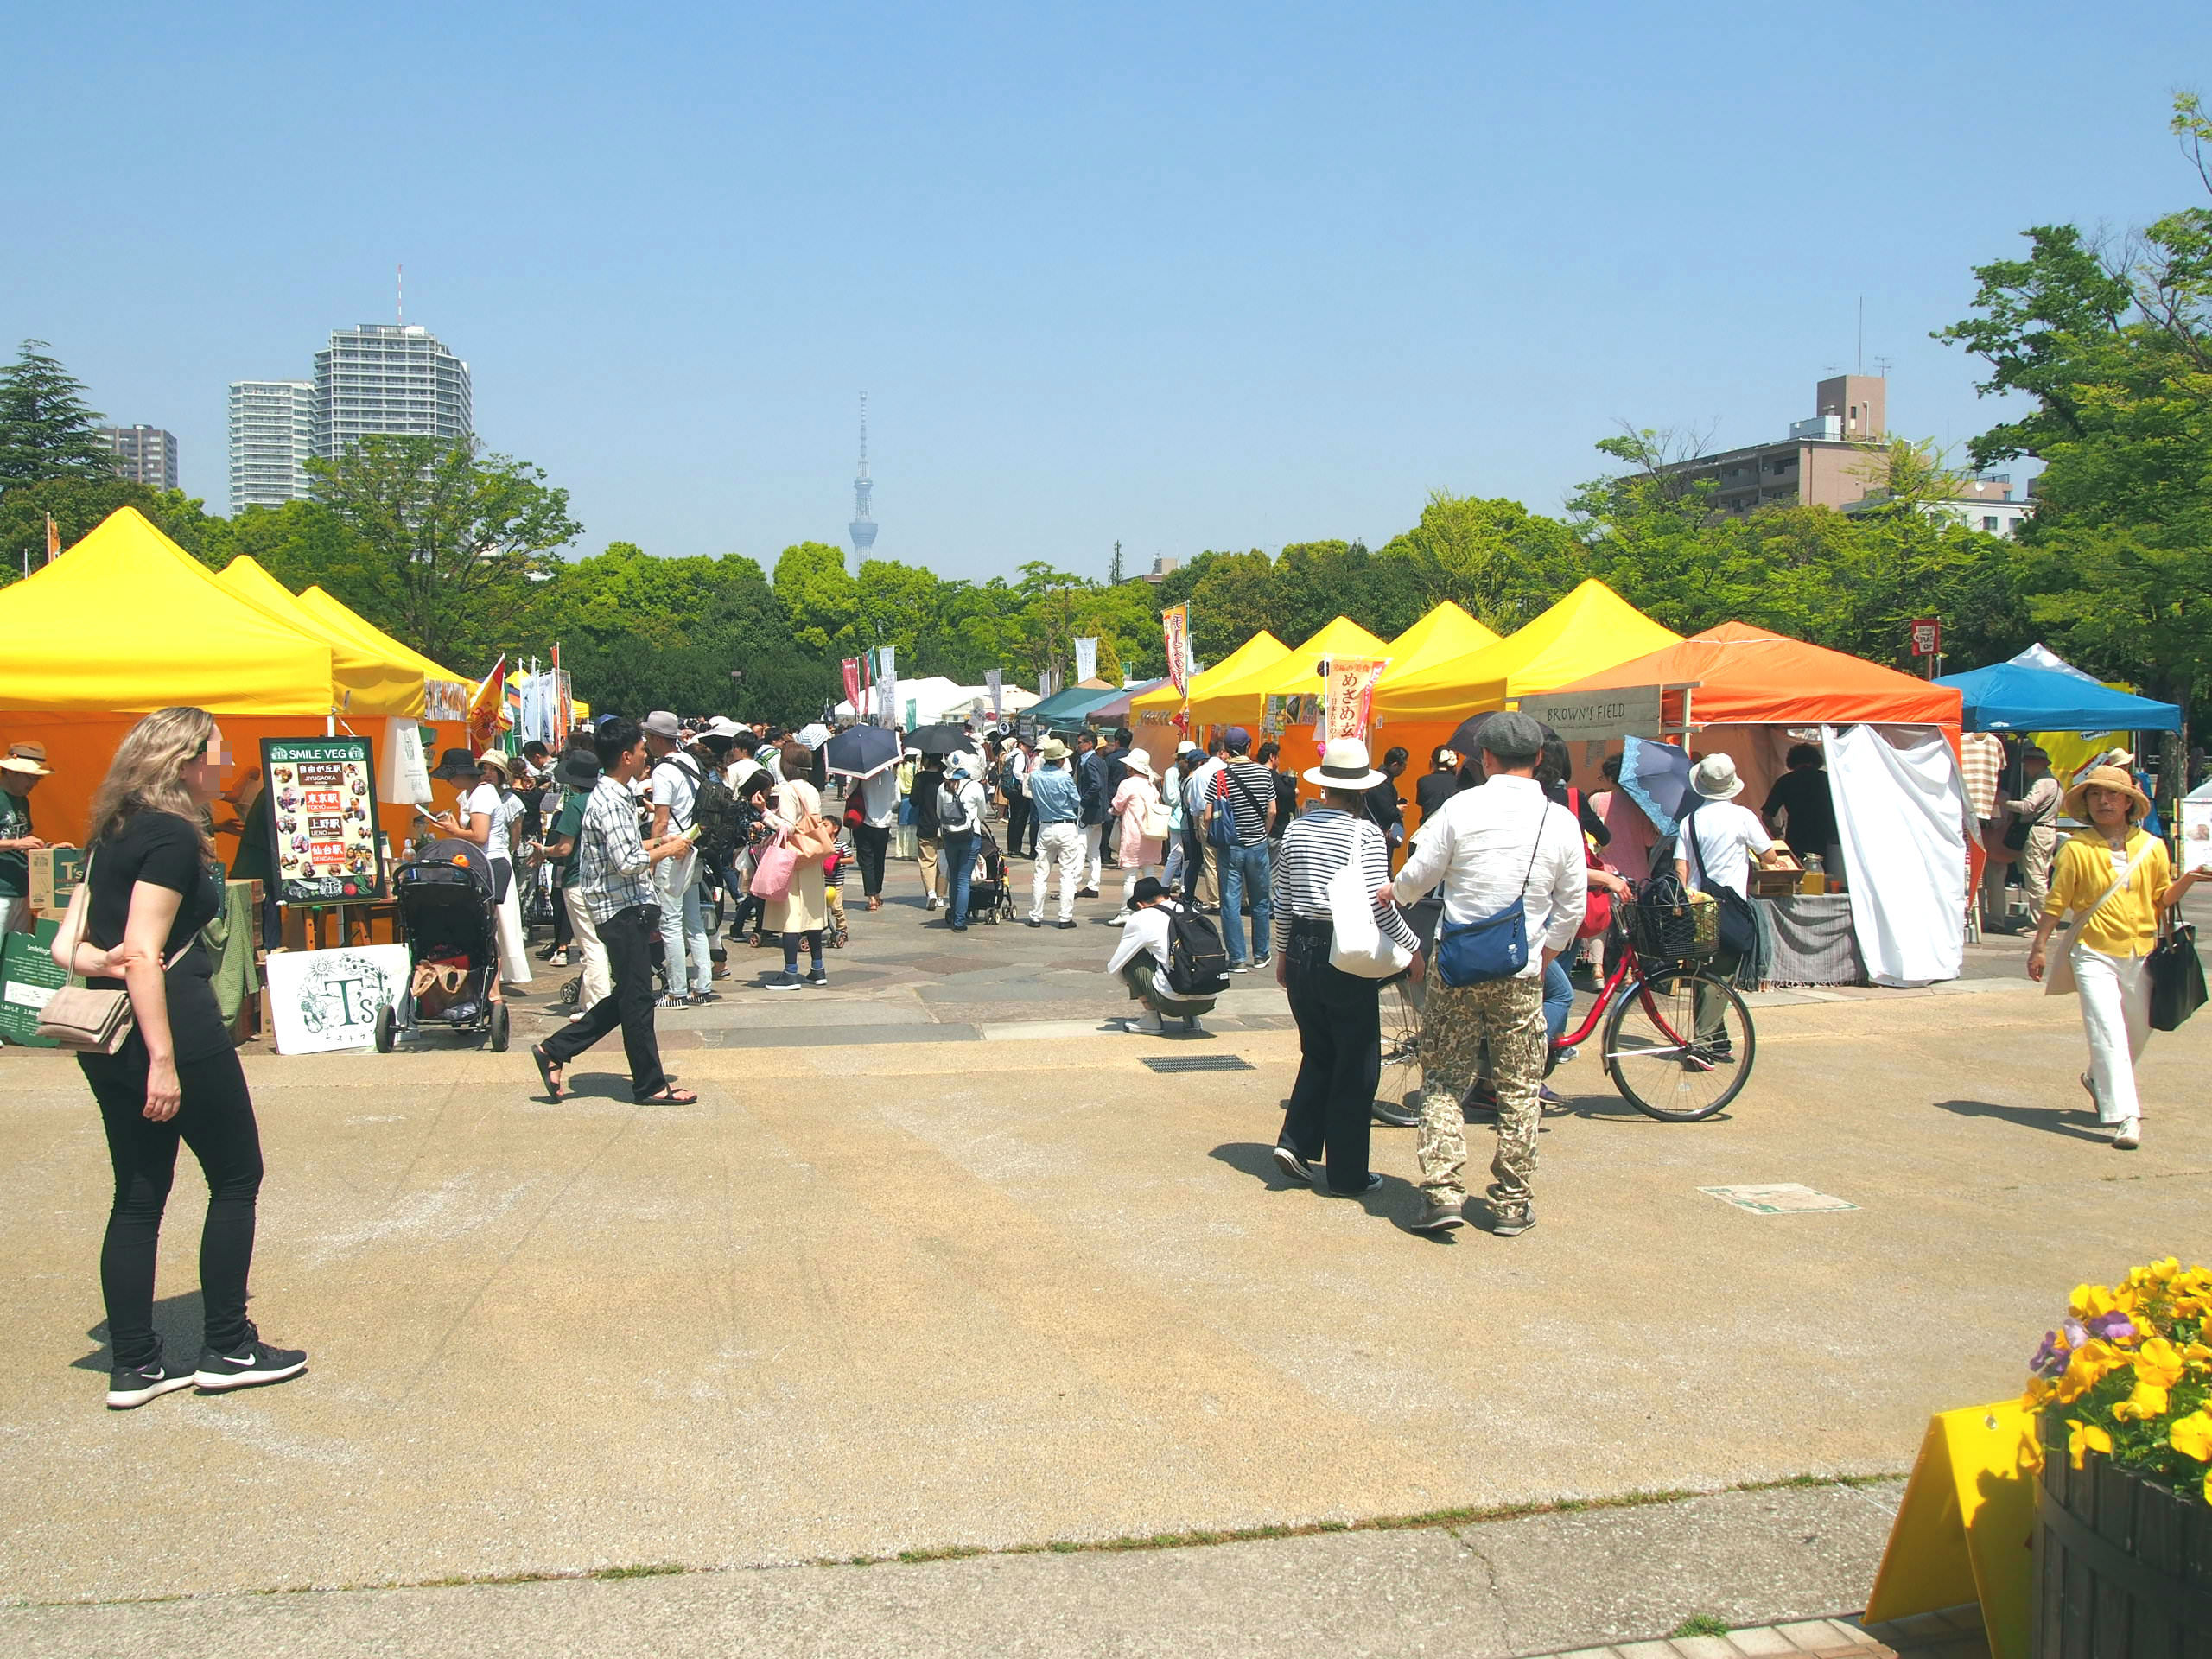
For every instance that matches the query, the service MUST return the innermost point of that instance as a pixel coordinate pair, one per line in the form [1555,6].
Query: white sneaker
[930,903]
[2128,1136]
[1567,1053]
[1146,1024]
[1119,919]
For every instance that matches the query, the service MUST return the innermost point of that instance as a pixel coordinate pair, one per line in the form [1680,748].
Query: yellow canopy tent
[1262,648]
[1240,698]
[1587,631]
[446,694]
[1444,633]
[367,681]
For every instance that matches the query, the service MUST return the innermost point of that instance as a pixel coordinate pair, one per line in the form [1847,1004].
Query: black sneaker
[134,1385]
[817,977]
[782,982]
[1296,1168]
[249,1364]
[1063,923]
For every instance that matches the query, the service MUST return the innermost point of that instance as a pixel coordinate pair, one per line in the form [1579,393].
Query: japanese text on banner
[1086,660]
[1348,695]
[1175,633]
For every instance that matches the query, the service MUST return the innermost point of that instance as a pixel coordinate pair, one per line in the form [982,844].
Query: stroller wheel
[384,1029]
[499,1028]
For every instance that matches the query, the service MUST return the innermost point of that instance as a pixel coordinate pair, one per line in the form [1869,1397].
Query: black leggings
[216,1121]
[871,841]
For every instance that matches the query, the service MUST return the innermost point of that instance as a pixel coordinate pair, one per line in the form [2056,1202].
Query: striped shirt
[1247,790]
[1982,762]
[613,868]
[1315,846]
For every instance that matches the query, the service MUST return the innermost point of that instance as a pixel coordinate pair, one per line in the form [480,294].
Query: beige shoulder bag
[2058,968]
[76,1016]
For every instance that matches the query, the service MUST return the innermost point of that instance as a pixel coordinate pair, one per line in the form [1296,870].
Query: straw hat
[2076,803]
[1343,766]
[27,757]
[499,762]
[1138,761]
[1051,749]
[1715,778]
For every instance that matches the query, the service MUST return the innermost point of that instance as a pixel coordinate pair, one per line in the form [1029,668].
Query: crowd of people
[639,832]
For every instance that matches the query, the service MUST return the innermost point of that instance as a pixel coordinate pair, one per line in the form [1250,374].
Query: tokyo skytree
[862,528]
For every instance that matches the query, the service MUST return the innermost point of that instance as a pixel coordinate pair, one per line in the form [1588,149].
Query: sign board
[324,999]
[1927,636]
[1593,716]
[29,974]
[322,797]
[56,872]
[2195,834]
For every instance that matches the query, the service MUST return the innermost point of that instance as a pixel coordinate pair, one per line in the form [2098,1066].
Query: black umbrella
[862,751]
[1463,742]
[940,739]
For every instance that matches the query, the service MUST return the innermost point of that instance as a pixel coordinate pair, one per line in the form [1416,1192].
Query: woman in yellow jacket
[2111,945]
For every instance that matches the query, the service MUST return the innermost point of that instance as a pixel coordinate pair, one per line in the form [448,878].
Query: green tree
[79,504]
[303,544]
[453,536]
[46,429]
[819,600]
[1493,558]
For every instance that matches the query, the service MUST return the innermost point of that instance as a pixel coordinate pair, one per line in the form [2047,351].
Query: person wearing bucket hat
[1493,851]
[2034,822]
[1141,846]
[2116,878]
[483,814]
[1057,800]
[578,773]
[1324,1128]
[19,775]
[1714,846]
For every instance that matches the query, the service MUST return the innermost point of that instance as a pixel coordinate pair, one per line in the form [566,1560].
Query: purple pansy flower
[2049,1359]
[2112,1327]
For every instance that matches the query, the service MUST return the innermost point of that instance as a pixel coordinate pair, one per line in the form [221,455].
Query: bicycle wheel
[1660,1058]
[1398,1084]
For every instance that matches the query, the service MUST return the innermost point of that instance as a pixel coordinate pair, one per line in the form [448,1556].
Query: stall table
[1814,944]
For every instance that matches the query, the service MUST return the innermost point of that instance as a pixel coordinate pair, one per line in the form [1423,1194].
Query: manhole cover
[1787,1199]
[1198,1063]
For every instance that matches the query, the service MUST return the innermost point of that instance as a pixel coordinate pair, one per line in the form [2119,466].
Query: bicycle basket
[1686,927]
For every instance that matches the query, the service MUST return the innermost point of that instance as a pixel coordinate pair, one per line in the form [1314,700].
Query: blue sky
[1179,277]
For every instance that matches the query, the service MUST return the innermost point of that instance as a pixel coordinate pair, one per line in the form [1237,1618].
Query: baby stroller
[990,890]
[450,927]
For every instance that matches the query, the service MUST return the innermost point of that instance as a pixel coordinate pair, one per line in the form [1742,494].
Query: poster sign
[322,793]
[324,999]
[2195,834]
[1175,633]
[29,976]
[1280,713]
[446,699]
[406,773]
[1086,660]
[1593,716]
[1927,636]
[1348,695]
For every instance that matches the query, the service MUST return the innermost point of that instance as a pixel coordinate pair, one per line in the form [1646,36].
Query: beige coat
[803,908]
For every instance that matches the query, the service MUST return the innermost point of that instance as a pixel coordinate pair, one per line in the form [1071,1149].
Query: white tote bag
[1357,945]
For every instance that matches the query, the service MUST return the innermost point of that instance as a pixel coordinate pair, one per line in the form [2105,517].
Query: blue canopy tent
[2014,697]
[1064,711]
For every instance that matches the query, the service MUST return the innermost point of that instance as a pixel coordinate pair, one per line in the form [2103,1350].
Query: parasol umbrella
[1462,741]
[862,751]
[813,736]
[940,739]
[1657,778]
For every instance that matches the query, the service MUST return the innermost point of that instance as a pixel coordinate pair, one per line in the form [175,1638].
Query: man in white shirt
[1491,849]
[684,940]
[1141,958]
[1713,847]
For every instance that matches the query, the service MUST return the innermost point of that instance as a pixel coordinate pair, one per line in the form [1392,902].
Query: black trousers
[216,1121]
[1340,1058]
[629,936]
[871,842]
[1021,818]
[1194,863]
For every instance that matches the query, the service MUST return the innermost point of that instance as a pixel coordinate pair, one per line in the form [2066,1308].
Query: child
[840,856]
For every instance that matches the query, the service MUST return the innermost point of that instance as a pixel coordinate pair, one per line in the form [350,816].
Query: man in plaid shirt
[613,881]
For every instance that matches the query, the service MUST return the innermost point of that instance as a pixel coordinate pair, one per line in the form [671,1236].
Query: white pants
[2116,1014]
[1129,874]
[15,915]
[1094,836]
[598,982]
[514,952]
[1061,844]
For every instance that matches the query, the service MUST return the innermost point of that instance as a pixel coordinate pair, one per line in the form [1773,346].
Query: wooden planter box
[2123,1565]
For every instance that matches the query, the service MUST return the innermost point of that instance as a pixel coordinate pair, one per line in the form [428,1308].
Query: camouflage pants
[1508,1013]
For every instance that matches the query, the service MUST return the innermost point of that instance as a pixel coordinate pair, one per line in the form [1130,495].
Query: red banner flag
[852,667]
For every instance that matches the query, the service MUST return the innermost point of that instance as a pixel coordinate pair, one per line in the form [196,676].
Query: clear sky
[1181,277]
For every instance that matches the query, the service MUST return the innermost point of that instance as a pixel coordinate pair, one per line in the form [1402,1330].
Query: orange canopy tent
[1747,677]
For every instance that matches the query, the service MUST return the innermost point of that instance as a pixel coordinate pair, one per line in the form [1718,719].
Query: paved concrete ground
[871,1297]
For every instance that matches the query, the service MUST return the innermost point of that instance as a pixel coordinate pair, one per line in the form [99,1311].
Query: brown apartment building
[1821,464]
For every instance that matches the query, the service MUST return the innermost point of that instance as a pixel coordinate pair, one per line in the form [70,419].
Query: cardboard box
[56,872]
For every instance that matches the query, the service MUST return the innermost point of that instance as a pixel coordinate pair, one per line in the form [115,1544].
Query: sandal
[547,1065]
[669,1095]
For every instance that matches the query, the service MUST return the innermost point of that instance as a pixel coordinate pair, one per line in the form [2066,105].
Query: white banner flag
[1086,660]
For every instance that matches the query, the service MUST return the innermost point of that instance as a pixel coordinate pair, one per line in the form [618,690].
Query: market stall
[1889,746]
[1154,711]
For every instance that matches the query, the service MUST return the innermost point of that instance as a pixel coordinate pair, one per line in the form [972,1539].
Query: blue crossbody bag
[1495,946]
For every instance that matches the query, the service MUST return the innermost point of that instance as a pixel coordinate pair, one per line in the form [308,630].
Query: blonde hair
[146,775]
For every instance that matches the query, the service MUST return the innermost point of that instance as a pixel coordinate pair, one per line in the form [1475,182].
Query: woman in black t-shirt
[152,883]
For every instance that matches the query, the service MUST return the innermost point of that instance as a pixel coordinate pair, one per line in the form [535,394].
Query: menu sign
[322,796]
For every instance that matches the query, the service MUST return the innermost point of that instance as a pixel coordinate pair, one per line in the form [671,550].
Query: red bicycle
[1678,1040]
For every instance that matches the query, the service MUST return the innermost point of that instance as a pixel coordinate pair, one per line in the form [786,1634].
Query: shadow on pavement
[2075,1125]
[179,1321]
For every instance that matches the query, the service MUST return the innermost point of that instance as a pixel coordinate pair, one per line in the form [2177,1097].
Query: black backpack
[717,821]
[1197,965]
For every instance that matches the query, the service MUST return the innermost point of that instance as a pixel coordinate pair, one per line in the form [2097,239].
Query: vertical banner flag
[995,680]
[53,540]
[1175,633]
[1349,696]
[1086,660]
[564,707]
[852,667]
[487,709]
[887,685]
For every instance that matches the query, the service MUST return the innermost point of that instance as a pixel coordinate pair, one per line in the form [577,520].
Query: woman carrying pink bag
[798,908]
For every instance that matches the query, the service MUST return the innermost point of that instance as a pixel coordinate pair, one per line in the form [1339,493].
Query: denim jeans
[1245,877]
[1559,998]
[683,927]
[960,870]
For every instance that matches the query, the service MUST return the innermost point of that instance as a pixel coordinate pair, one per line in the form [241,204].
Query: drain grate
[1198,1063]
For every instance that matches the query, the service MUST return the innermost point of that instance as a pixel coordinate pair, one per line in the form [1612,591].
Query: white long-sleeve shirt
[1146,930]
[1489,845]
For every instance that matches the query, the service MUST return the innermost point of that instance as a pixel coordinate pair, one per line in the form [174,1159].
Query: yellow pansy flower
[2148,1401]
[2191,1436]
[2088,1367]
[2085,1438]
[2159,1362]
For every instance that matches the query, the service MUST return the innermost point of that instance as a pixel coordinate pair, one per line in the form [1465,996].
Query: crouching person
[1144,956]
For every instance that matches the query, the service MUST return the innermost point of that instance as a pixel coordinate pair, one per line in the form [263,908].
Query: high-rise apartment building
[144,455]
[386,378]
[272,435]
